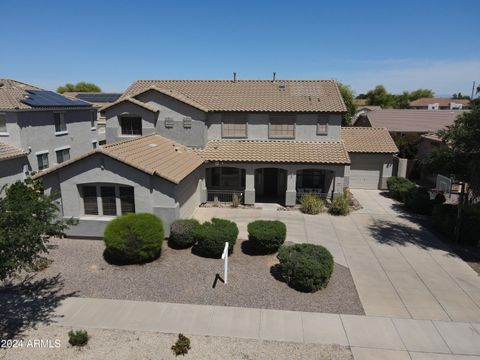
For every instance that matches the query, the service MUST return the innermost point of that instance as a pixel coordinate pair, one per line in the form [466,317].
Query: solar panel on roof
[45,98]
[98,97]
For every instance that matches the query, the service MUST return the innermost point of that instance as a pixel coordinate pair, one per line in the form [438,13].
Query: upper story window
[322,125]
[282,127]
[3,123]
[63,155]
[234,126]
[92,120]
[60,125]
[42,160]
[131,125]
[114,199]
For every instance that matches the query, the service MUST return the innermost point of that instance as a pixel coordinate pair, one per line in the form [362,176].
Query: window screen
[282,127]
[3,123]
[63,155]
[234,126]
[90,204]
[322,125]
[131,125]
[108,200]
[60,122]
[42,160]
[127,199]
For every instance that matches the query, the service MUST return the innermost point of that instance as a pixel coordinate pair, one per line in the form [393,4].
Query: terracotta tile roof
[421,121]
[133,101]
[152,154]
[275,151]
[249,95]
[440,101]
[8,152]
[368,140]
[12,92]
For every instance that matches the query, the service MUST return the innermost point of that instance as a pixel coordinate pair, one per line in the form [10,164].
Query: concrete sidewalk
[369,337]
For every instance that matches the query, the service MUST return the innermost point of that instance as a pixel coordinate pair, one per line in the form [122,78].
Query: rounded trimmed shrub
[398,187]
[134,238]
[305,267]
[182,233]
[266,236]
[311,204]
[418,201]
[212,235]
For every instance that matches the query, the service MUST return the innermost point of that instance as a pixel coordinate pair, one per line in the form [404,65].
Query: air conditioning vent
[169,122]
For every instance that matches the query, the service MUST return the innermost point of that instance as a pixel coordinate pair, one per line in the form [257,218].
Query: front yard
[182,277]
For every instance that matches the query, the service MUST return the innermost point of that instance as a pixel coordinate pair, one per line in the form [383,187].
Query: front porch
[271,183]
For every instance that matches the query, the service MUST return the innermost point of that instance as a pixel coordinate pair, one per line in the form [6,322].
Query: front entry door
[270,182]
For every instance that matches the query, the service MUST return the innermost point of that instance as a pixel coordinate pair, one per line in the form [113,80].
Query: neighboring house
[362,110]
[440,104]
[47,126]
[98,100]
[13,164]
[172,145]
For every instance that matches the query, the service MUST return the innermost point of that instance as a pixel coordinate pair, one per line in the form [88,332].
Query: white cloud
[444,77]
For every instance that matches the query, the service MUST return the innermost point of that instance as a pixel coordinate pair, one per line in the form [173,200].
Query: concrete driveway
[400,268]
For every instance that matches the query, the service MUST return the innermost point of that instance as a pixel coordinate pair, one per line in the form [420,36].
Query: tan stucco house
[172,145]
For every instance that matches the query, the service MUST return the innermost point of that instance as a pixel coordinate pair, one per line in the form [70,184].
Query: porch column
[249,186]
[291,194]
[203,190]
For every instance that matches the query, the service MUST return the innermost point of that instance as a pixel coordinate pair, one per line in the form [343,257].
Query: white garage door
[364,172]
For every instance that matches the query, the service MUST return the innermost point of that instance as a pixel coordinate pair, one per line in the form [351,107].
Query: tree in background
[348,96]
[81,86]
[28,218]
[462,156]
[381,97]
[421,93]
[460,96]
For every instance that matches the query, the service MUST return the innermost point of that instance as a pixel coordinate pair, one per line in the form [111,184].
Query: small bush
[181,346]
[212,235]
[340,205]
[235,200]
[78,337]
[398,187]
[418,201]
[311,204]
[266,236]
[305,267]
[182,233]
[134,238]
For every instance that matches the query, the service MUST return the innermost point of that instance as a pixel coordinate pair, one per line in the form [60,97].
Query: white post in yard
[225,257]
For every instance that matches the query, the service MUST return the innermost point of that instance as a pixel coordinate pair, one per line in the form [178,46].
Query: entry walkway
[400,268]
[370,337]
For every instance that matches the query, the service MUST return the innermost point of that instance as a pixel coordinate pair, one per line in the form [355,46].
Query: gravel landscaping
[182,277]
[135,345]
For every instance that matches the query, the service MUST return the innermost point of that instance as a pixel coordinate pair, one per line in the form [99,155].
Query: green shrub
[311,204]
[78,337]
[398,187]
[444,219]
[418,201]
[134,238]
[181,346]
[340,205]
[305,267]
[266,236]
[212,235]
[182,233]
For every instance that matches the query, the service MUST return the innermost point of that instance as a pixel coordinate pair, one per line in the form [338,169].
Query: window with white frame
[60,125]
[62,155]
[322,125]
[3,123]
[234,126]
[114,199]
[42,160]
[282,126]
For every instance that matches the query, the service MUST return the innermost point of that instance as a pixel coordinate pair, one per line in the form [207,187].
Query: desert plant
[181,346]
[182,233]
[134,238]
[305,267]
[78,337]
[398,187]
[311,204]
[340,205]
[418,201]
[212,235]
[266,236]
[235,200]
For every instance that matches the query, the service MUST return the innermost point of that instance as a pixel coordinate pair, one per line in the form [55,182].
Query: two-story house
[172,145]
[45,127]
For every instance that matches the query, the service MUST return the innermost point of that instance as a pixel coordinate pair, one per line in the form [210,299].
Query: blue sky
[401,44]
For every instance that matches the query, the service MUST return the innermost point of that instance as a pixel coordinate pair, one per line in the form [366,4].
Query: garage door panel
[365,173]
